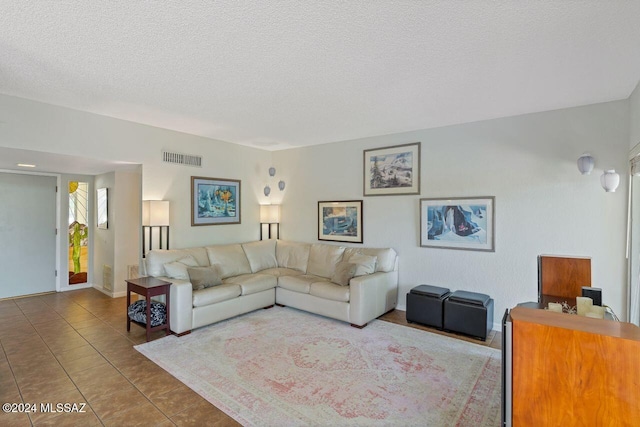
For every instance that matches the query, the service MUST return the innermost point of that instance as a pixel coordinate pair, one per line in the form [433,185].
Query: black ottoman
[469,313]
[424,305]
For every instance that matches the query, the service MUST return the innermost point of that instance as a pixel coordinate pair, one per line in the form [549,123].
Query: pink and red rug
[284,367]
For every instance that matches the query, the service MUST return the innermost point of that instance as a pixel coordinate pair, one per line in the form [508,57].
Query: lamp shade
[585,164]
[269,214]
[155,213]
[610,180]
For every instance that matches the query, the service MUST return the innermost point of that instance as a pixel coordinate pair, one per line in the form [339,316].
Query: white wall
[126,198]
[543,204]
[36,126]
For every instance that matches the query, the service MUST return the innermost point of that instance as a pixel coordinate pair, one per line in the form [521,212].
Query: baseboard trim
[111,294]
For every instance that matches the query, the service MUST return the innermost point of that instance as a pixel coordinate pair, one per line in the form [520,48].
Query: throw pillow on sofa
[178,269]
[365,264]
[343,273]
[204,277]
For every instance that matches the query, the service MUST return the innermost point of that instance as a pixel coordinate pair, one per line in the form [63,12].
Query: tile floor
[73,347]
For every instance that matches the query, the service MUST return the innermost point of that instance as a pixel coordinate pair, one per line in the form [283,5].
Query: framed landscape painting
[392,171]
[340,221]
[458,223]
[215,201]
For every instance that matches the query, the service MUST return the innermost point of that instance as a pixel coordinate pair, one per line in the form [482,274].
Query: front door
[27,234]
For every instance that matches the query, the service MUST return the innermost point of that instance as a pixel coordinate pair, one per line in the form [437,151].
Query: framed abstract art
[214,201]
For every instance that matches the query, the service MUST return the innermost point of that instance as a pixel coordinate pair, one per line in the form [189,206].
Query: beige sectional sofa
[258,274]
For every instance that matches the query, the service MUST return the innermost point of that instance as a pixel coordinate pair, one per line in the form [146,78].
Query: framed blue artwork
[215,201]
[340,221]
[458,223]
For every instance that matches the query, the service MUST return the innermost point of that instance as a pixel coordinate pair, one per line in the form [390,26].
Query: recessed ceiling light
[25,165]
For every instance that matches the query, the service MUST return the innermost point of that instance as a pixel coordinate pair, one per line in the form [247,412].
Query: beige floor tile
[27,356]
[176,400]
[83,363]
[45,318]
[122,355]
[142,415]
[76,318]
[61,345]
[201,414]
[71,419]
[14,420]
[75,353]
[85,322]
[9,392]
[69,397]
[136,372]
[100,381]
[44,391]
[9,317]
[99,332]
[156,384]
[28,341]
[120,401]
[49,369]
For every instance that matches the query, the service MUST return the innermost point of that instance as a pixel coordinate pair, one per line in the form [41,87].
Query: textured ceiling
[278,74]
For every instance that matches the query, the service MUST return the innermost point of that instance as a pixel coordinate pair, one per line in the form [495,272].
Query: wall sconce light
[155,213]
[610,180]
[270,216]
[281,184]
[585,164]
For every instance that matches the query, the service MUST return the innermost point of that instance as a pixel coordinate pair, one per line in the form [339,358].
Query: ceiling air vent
[182,159]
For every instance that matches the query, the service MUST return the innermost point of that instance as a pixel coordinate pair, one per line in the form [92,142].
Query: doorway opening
[78,232]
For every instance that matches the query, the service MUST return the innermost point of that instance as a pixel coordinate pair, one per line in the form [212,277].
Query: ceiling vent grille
[182,159]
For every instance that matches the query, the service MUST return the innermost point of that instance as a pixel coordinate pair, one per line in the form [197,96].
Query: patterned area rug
[284,367]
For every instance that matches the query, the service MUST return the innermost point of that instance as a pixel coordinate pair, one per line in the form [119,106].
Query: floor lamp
[155,213]
[270,216]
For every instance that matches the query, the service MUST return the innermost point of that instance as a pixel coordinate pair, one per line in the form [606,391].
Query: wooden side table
[149,287]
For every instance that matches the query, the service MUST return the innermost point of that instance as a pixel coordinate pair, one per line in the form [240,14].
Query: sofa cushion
[261,255]
[300,283]
[178,269]
[204,277]
[155,259]
[343,273]
[323,259]
[386,257]
[281,271]
[215,294]
[231,258]
[253,283]
[331,291]
[365,264]
[292,255]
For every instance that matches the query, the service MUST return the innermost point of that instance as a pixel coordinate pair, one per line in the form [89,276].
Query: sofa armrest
[372,295]
[181,305]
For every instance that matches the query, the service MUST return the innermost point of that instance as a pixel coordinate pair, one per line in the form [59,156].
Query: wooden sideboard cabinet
[569,370]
